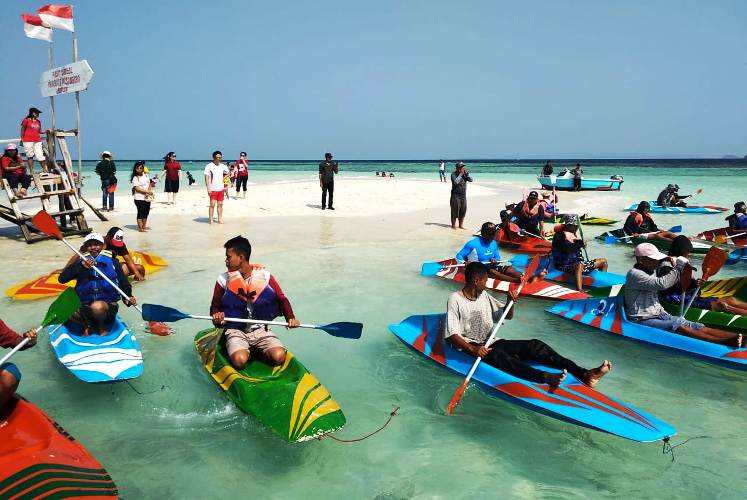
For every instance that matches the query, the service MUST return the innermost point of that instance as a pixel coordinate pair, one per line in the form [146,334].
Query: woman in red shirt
[242,173]
[31,139]
[173,172]
[14,171]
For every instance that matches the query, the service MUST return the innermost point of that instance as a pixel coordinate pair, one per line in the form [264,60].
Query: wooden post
[77,119]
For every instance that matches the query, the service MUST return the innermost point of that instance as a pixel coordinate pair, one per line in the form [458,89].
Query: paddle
[721,239]
[460,392]
[713,261]
[343,329]
[516,229]
[59,311]
[433,268]
[611,239]
[581,230]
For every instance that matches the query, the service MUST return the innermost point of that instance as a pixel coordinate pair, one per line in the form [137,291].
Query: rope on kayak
[392,414]
[145,393]
[668,448]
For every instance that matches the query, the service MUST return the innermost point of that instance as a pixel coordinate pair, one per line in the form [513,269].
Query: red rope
[392,414]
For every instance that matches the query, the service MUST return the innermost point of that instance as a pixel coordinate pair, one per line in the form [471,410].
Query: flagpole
[51,98]
[77,116]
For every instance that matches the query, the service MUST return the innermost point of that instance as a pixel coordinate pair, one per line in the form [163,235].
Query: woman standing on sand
[141,190]
[242,173]
[173,170]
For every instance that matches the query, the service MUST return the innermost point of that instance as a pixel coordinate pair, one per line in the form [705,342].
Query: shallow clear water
[185,439]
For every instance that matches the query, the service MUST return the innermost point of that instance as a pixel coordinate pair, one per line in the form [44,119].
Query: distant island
[733,157]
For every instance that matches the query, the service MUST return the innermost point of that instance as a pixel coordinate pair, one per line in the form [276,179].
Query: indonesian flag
[35,28]
[58,16]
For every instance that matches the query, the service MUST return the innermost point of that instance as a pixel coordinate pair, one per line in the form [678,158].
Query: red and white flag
[58,16]
[35,28]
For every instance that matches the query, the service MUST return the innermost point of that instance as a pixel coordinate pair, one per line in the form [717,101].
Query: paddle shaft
[632,236]
[255,321]
[17,348]
[581,230]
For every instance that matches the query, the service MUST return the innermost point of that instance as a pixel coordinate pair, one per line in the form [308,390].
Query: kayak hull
[719,235]
[656,209]
[48,285]
[594,279]
[572,402]
[522,243]
[587,184]
[38,458]
[698,247]
[586,220]
[95,358]
[608,314]
[287,399]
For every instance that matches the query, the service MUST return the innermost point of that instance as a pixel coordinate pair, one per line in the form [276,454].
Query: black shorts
[143,209]
[458,206]
[571,268]
[171,186]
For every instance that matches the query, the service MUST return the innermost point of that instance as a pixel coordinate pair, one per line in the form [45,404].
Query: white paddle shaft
[255,321]
[21,344]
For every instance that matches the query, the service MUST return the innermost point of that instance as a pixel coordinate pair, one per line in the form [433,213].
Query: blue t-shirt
[478,250]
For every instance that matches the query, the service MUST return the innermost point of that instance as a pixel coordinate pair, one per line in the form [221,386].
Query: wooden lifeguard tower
[58,183]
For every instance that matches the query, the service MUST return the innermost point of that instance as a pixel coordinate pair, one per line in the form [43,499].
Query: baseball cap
[650,251]
[10,147]
[35,110]
[105,153]
[94,237]
[116,236]
[533,194]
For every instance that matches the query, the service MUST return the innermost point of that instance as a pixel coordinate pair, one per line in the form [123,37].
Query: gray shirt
[642,292]
[459,183]
[472,319]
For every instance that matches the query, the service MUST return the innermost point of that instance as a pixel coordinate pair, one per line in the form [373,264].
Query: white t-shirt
[442,167]
[141,181]
[215,175]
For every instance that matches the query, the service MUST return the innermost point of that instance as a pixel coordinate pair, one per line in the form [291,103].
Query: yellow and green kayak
[48,285]
[586,219]
[288,399]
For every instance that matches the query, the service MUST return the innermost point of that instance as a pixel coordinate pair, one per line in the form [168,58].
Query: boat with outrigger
[564,182]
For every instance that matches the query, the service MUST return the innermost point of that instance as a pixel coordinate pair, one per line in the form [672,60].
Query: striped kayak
[698,246]
[39,459]
[95,358]
[539,289]
[719,235]
[608,314]
[593,279]
[705,209]
[586,220]
[48,286]
[572,402]
[522,243]
[288,399]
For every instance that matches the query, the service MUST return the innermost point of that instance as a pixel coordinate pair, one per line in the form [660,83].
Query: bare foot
[538,277]
[555,379]
[595,374]
[461,227]
[741,341]
[453,226]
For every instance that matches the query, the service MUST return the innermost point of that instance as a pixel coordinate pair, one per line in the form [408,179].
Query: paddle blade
[609,239]
[531,268]
[430,268]
[456,398]
[344,329]
[62,308]
[46,224]
[714,261]
[699,190]
[154,312]
[675,229]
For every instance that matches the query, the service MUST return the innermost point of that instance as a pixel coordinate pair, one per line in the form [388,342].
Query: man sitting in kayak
[471,314]
[10,375]
[484,249]
[529,215]
[548,202]
[99,300]
[640,224]
[738,220]
[114,241]
[247,291]
[681,247]
[566,251]
[642,305]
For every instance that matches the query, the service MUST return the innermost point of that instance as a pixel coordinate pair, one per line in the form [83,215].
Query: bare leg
[461,223]
[239,359]
[596,374]
[712,335]
[220,212]
[275,356]
[99,310]
[731,305]
[600,264]
[511,275]
[210,211]
[453,223]
[579,273]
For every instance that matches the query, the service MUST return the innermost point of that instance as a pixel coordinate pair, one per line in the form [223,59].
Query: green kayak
[287,399]
[698,247]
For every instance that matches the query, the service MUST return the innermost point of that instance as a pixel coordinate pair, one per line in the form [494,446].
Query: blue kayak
[705,209]
[95,358]
[608,314]
[593,279]
[572,402]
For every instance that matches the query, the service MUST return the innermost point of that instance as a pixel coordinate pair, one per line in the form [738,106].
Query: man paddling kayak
[566,251]
[642,305]
[669,197]
[471,314]
[114,241]
[99,300]
[738,220]
[640,224]
[10,375]
[245,291]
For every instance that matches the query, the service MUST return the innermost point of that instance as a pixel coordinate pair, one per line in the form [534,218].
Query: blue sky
[395,79]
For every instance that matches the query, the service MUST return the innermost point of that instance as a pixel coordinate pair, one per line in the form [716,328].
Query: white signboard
[72,77]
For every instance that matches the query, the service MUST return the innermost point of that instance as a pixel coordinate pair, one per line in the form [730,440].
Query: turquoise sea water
[187,440]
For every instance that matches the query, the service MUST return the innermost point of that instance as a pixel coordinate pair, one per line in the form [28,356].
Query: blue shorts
[665,321]
[12,369]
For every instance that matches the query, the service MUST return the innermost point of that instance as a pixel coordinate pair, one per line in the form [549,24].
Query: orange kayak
[522,243]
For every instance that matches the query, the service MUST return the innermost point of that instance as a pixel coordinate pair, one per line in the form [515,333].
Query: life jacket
[559,254]
[738,221]
[90,286]
[252,297]
[641,222]
[529,216]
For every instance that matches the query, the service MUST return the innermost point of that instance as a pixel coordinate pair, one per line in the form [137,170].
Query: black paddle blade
[344,329]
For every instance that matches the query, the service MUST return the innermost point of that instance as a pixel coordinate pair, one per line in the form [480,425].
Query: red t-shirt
[31,130]
[172,168]
[242,168]
[5,163]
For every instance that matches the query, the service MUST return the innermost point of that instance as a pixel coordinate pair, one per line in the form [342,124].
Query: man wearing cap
[458,201]
[327,171]
[105,170]
[566,251]
[640,225]
[31,139]
[577,172]
[738,220]
[14,171]
[484,249]
[530,215]
[98,297]
[665,196]
[642,305]
[215,171]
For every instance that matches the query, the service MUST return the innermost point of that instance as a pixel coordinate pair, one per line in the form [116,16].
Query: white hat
[106,153]
[650,251]
[94,237]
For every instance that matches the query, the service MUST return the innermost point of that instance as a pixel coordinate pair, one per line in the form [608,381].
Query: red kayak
[522,243]
[539,289]
[39,459]
[737,237]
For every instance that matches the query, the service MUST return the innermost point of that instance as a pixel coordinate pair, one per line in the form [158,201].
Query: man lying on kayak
[642,305]
[681,247]
[639,224]
[10,375]
[738,220]
[471,314]
[484,249]
[566,251]
[99,300]
[245,291]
